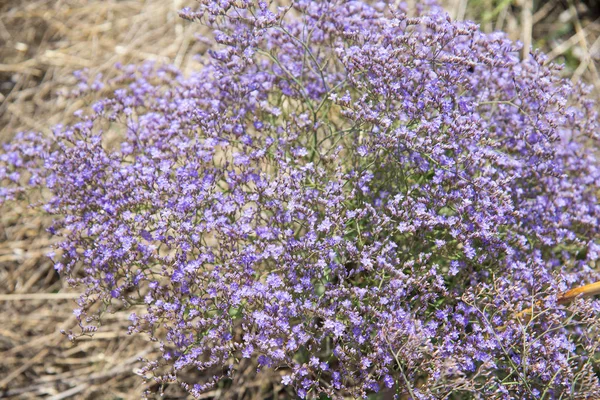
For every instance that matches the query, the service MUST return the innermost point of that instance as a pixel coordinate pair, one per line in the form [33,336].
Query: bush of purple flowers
[357,197]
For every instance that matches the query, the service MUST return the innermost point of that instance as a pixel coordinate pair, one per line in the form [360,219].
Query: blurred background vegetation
[42,42]
[568,31]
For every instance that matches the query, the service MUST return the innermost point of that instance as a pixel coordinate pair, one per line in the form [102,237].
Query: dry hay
[41,43]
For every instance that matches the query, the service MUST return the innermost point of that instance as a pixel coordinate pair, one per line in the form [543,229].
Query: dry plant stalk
[586,291]
[589,290]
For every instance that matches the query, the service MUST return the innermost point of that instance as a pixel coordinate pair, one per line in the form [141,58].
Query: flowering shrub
[360,198]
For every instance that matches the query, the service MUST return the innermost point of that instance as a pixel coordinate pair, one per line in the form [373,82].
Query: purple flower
[351,194]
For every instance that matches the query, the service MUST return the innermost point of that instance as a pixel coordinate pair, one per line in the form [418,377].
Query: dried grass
[42,42]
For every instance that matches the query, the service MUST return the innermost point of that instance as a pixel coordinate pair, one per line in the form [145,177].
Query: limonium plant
[358,196]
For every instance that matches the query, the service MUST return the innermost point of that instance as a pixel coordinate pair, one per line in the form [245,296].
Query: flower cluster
[357,196]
